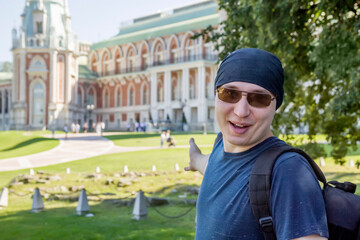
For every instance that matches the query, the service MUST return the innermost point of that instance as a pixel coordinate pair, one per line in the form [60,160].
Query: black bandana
[253,66]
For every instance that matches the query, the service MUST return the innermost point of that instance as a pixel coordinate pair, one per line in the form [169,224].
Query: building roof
[6,77]
[85,72]
[188,18]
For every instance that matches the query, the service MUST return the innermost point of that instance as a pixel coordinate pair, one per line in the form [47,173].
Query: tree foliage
[318,43]
[6,67]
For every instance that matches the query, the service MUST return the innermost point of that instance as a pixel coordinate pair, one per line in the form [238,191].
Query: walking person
[249,90]
[162,138]
[66,130]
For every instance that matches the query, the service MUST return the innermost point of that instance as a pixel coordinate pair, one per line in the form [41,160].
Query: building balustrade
[168,61]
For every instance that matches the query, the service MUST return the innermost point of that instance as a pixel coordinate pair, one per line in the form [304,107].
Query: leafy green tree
[6,67]
[318,43]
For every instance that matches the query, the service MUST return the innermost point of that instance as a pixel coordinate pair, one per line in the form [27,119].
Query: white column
[153,94]
[53,77]
[185,93]
[2,109]
[67,83]
[202,105]
[22,77]
[9,107]
[200,48]
[167,94]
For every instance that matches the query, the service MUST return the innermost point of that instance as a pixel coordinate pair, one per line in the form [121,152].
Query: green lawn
[153,139]
[21,143]
[111,221]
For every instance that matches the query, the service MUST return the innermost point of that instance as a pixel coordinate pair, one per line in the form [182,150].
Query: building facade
[152,71]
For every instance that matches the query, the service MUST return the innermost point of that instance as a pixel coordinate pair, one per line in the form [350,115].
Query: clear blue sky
[91,20]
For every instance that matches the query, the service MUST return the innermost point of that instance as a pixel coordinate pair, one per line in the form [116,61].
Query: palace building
[152,71]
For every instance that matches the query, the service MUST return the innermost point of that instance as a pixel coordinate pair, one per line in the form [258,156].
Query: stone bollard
[351,163]
[83,204]
[38,204]
[4,196]
[140,210]
[177,168]
[126,169]
[322,162]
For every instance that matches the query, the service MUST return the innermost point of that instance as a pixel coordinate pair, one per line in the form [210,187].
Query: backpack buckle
[266,224]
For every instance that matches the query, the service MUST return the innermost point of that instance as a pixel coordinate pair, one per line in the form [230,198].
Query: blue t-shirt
[223,207]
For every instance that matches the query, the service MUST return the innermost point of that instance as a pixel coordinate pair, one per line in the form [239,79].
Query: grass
[20,143]
[111,221]
[153,139]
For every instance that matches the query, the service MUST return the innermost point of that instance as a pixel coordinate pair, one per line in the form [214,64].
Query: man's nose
[242,107]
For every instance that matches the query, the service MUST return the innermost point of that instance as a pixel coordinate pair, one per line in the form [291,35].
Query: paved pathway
[75,147]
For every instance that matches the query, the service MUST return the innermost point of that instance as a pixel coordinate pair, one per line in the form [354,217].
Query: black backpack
[342,205]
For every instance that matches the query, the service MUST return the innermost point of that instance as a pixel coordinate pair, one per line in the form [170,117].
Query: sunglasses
[258,100]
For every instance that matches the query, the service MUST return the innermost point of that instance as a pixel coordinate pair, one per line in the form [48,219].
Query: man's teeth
[239,125]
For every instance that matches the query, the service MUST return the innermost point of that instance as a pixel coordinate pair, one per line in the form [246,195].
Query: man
[249,89]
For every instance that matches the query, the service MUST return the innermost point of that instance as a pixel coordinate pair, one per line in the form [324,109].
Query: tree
[318,43]
[6,67]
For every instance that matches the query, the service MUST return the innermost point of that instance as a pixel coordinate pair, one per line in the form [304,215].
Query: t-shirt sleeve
[296,199]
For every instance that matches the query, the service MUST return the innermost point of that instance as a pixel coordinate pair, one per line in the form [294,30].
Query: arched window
[38,105]
[39,27]
[207,87]
[145,95]
[158,58]
[189,50]
[6,101]
[106,64]
[91,97]
[144,58]
[192,88]
[79,98]
[175,93]
[131,96]
[160,92]
[117,62]
[131,60]
[174,58]
[106,98]
[118,97]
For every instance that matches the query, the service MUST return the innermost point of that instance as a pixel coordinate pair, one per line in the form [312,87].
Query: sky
[91,20]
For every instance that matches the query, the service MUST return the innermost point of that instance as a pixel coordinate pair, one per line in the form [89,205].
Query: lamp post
[90,108]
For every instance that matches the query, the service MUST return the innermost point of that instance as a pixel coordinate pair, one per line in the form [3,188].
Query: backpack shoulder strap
[260,184]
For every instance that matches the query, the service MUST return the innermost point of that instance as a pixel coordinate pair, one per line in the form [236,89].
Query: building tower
[45,66]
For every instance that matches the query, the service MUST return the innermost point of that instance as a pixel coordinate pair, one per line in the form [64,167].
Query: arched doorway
[38,103]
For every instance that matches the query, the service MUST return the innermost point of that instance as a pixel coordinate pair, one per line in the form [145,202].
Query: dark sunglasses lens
[259,100]
[228,95]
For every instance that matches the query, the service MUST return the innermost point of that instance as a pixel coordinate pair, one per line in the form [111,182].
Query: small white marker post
[97,169]
[32,172]
[351,163]
[68,171]
[126,169]
[322,162]
[83,204]
[177,167]
[153,168]
[140,210]
[4,196]
[38,204]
